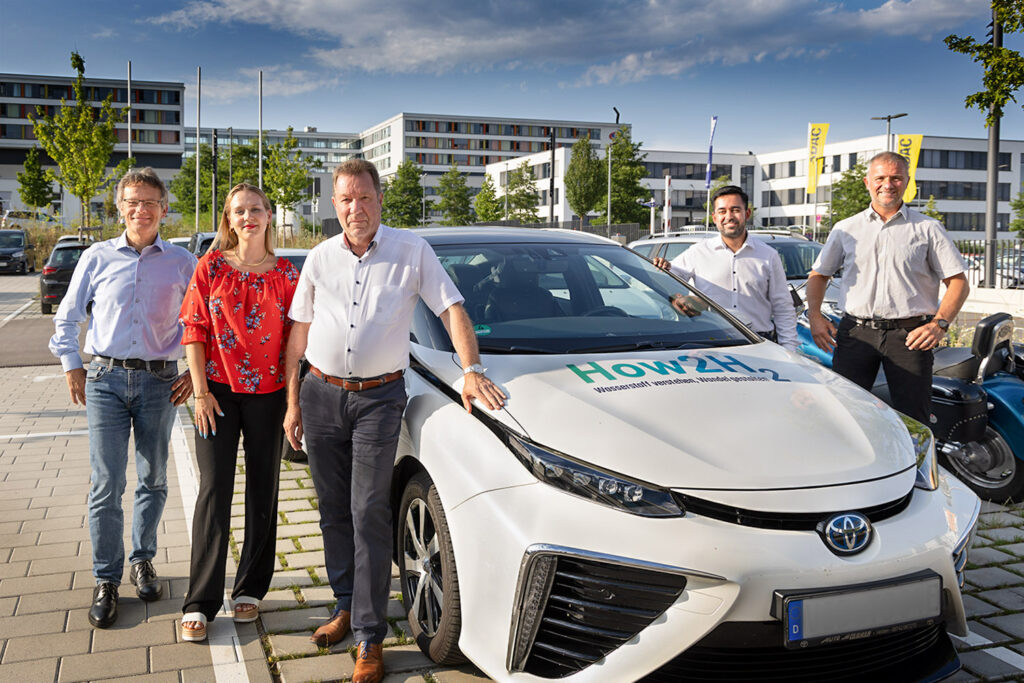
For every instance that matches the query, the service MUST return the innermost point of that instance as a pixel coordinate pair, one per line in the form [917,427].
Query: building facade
[157,127]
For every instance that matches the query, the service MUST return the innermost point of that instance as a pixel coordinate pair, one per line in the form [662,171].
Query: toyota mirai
[665,496]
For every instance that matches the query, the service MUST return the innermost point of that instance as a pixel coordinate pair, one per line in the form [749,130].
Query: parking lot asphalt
[46,579]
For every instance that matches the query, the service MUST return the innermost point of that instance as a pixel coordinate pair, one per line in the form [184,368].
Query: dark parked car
[53,284]
[17,254]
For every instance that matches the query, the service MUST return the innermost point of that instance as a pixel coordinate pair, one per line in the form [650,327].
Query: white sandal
[193,635]
[251,615]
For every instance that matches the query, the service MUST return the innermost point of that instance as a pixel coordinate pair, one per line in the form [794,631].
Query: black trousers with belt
[861,350]
[258,418]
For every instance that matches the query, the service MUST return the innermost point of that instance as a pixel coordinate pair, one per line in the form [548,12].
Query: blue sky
[765,67]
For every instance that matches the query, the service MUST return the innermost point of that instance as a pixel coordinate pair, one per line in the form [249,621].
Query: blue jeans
[118,402]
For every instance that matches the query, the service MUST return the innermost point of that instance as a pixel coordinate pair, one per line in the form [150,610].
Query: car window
[65,258]
[10,240]
[565,298]
[645,250]
[797,257]
[674,249]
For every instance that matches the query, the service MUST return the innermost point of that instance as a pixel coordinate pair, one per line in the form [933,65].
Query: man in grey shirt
[893,259]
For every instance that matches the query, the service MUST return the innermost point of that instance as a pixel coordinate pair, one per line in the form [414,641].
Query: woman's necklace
[251,265]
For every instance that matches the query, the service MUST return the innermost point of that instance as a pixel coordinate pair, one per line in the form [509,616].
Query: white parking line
[1002,653]
[45,435]
[225,649]
[11,316]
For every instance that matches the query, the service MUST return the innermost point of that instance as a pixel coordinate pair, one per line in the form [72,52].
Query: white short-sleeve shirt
[360,307]
[891,269]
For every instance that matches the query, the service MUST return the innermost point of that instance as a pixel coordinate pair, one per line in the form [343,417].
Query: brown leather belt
[360,384]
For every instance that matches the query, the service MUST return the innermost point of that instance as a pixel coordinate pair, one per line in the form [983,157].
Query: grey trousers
[351,439]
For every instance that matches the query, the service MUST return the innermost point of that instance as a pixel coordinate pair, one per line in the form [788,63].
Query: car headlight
[586,481]
[17,254]
[924,449]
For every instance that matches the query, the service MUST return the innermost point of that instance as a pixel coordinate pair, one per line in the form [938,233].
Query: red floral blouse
[243,320]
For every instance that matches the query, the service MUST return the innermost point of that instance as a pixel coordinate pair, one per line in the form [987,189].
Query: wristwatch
[475,367]
[943,324]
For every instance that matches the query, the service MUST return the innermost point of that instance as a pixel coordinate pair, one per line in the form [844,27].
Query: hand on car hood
[752,417]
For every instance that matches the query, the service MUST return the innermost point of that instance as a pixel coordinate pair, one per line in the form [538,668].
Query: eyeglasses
[151,204]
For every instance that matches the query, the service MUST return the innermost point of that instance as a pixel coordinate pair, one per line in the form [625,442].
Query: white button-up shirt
[890,269]
[360,307]
[750,282]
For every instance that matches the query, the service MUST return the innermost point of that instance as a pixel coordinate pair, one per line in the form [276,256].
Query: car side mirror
[798,303]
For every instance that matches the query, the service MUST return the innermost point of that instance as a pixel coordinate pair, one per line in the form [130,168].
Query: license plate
[852,612]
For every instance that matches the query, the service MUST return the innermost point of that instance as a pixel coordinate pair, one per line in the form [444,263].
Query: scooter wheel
[988,467]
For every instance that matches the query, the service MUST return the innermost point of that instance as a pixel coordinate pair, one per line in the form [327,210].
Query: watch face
[943,324]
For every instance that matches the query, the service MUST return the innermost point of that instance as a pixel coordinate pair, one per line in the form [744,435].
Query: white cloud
[277,82]
[607,41]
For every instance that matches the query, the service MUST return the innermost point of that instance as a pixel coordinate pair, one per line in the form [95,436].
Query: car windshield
[66,257]
[297,260]
[797,257]
[577,298]
[9,240]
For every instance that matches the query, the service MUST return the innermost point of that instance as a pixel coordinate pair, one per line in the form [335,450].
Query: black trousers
[861,350]
[351,439]
[259,419]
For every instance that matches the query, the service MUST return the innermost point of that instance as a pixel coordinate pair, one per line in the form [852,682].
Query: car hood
[753,418]
[7,251]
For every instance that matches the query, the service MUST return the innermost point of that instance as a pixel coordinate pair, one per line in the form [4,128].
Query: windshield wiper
[644,345]
[513,348]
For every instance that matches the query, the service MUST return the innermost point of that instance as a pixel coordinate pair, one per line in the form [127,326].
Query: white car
[662,496]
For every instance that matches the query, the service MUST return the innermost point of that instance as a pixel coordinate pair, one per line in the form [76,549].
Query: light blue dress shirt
[136,299]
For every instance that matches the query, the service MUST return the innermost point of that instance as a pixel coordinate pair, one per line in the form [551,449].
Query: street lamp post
[888,127]
[611,139]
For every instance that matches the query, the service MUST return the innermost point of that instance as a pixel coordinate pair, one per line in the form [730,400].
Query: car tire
[426,561]
[47,309]
[989,467]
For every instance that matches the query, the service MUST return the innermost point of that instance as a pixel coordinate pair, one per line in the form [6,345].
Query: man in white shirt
[893,259]
[352,310]
[741,274]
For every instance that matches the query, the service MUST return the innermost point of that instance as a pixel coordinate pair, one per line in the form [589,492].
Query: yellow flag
[816,133]
[909,147]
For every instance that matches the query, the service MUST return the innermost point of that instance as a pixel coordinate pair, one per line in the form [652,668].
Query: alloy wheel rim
[421,556]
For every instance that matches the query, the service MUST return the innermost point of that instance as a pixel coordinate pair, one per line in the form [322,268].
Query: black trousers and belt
[351,438]
[864,345]
[258,419]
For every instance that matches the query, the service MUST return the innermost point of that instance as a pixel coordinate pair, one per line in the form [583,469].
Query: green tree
[455,199]
[930,210]
[244,168]
[286,172]
[1003,68]
[1017,223]
[403,197]
[80,138]
[583,179]
[627,171]
[34,186]
[486,203]
[850,195]
[522,194]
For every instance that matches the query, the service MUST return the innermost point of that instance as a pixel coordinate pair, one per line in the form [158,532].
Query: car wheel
[46,308]
[429,581]
[988,467]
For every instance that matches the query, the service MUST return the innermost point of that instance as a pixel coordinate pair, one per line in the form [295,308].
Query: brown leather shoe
[333,631]
[369,663]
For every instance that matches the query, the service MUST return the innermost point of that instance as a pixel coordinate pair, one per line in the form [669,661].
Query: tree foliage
[1003,68]
[286,172]
[244,167]
[455,198]
[522,194]
[486,203]
[850,195]
[583,179]
[1017,222]
[627,171]
[80,138]
[403,197]
[34,186]
[930,209]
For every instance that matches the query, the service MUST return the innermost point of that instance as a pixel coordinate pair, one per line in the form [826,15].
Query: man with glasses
[130,288]
[893,259]
[743,275]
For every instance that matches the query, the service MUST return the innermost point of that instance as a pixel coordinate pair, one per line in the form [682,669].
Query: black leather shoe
[147,585]
[103,612]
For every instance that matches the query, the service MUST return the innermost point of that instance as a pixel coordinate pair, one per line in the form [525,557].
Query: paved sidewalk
[46,579]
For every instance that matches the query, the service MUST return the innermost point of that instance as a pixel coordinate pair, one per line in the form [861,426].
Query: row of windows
[149,137]
[683,199]
[52,91]
[972,221]
[504,129]
[378,150]
[952,158]
[165,117]
[657,169]
[796,195]
[304,143]
[377,135]
[382,164]
[449,159]
[949,189]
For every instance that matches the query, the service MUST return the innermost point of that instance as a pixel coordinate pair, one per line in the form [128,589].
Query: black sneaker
[147,586]
[103,612]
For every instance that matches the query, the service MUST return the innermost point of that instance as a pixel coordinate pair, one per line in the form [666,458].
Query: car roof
[494,235]
[71,245]
[290,251]
[699,236]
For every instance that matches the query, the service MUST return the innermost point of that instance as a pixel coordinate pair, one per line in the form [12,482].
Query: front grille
[783,521]
[590,609]
[740,651]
